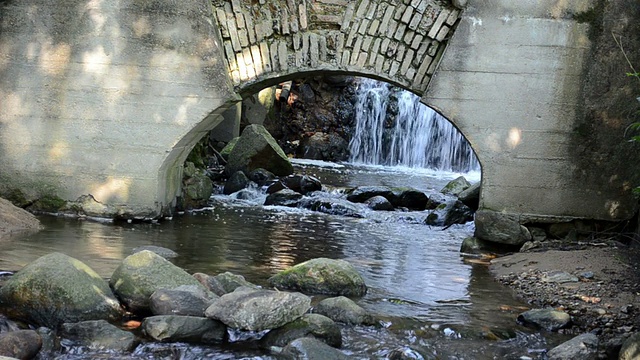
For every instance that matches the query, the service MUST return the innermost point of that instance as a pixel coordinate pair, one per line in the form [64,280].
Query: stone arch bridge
[108,98]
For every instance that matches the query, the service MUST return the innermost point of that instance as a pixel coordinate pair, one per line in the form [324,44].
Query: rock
[583,347]
[236,182]
[21,344]
[196,190]
[473,245]
[256,148]
[331,206]
[321,146]
[460,4]
[189,329]
[471,196]
[409,353]
[630,348]
[312,349]
[364,193]
[49,341]
[537,234]
[99,335]
[321,276]
[379,203]
[456,186]
[315,325]
[453,212]
[164,252]
[257,310]
[548,319]
[186,300]
[303,184]
[285,197]
[227,149]
[559,277]
[344,310]
[141,274]
[16,220]
[261,176]
[223,283]
[55,289]
[500,228]
[409,198]
[275,187]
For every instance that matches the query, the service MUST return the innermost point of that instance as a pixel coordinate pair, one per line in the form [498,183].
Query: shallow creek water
[425,295]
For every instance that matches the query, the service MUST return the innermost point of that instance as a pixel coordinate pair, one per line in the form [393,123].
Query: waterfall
[405,132]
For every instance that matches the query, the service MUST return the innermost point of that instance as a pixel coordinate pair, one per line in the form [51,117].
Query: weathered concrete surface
[107,98]
[511,81]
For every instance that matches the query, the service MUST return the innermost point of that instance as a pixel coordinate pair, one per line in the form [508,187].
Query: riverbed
[424,294]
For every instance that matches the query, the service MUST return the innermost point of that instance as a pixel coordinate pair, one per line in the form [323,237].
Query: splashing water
[416,137]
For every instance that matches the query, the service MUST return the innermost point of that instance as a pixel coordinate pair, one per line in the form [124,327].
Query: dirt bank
[14,220]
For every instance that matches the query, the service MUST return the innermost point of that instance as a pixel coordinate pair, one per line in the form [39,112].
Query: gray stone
[261,176]
[537,234]
[364,193]
[559,277]
[471,196]
[315,325]
[456,186]
[285,197]
[55,289]
[453,212]
[20,344]
[227,149]
[99,335]
[256,148]
[344,310]
[312,349]
[321,276]
[303,184]
[236,182]
[548,319]
[379,203]
[257,310]
[583,347]
[410,198]
[332,206]
[630,348]
[197,189]
[186,300]
[500,228]
[189,329]
[164,252]
[141,274]
[49,341]
[473,245]
[223,283]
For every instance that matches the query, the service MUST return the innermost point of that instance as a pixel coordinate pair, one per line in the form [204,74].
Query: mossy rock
[227,149]
[321,276]
[255,149]
[48,204]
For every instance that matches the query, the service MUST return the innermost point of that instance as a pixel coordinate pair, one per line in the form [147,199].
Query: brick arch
[400,42]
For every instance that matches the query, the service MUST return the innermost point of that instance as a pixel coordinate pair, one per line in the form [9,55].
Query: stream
[426,296]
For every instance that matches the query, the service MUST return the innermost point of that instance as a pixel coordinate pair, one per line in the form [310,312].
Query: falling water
[415,137]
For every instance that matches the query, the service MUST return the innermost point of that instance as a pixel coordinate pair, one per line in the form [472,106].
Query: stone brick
[379,63]
[436,59]
[237,7]
[242,36]
[433,48]
[408,37]
[222,21]
[346,56]
[266,57]
[251,29]
[293,24]
[415,21]
[392,49]
[233,33]
[362,9]
[439,21]
[366,44]
[314,51]
[411,72]
[391,29]
[348,14]
[297,42]
[328,19]
[399,12]
[371,12]
[356,51]
[385,45]
[388,13]
[298,59]
[422,70]
[400,32]
[364,26]
[386,66]
[444,30]
[362,59]
[422,6]
[408,13]
[273,51]
[395,66]
[264,29]
[352,36]
[334,2]
[242,68]
[417,40]
[339,43]
[231,58]
[406,62]
[323,48]
[240,21]
[284,17]
[453,17]
[305,47]
[302,16]
[283,60]
[400,53]
[423,48]
[373,29]
[374,51]
[257,59]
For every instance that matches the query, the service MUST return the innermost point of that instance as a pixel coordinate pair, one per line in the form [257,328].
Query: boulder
[164,252]
[583,347]
[471,196]
[223,283]
[548,319]
[344,310]
[364,193]
[256,148]
[303,184]
[186,300]
[21,344]
[500,228]
[189,329]
[332,206]
[261,176]
[456,186]
[49,341]
[196,190]
[321,146]
[227,149]
[257,310]
[315,325]
[285,197]
[409,198]
[379,203]
[275,187]
[236,182]
[630,348]
[99,335]
[312,349]
[141,274]
[473,245]
[452,212]
[321,276]
[55,289]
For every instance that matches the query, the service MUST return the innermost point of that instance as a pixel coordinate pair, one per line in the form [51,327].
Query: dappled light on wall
[515,137]
[113,190]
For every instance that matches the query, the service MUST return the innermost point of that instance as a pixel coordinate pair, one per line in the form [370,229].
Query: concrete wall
[511,80]
[107,98]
